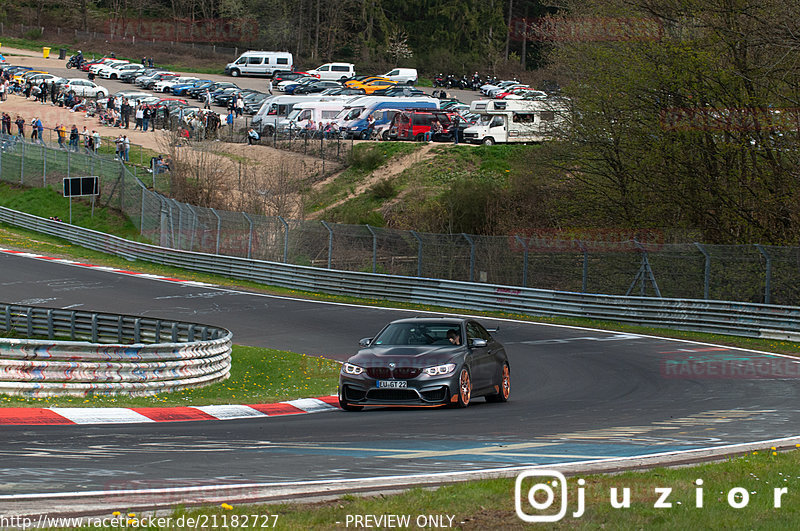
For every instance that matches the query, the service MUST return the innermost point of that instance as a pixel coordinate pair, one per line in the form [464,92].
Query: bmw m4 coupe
[426,362]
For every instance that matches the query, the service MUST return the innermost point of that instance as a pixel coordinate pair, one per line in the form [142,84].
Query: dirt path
[394,168]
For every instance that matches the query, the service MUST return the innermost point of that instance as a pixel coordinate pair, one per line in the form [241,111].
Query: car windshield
[417,333]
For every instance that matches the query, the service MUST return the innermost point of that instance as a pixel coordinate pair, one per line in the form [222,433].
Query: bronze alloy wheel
[464,388]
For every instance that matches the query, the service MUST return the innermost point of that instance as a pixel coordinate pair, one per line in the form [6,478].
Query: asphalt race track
[577,395]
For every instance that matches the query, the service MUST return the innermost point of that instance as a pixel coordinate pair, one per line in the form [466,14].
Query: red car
[87,64]
[413,124]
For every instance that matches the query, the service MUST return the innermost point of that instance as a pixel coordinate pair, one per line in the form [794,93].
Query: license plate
[392,383]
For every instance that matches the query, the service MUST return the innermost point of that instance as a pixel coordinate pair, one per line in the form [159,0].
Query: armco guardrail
[734,318]
[88,353]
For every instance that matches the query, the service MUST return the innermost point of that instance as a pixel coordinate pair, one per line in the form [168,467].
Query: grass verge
[489,504]
[258,376]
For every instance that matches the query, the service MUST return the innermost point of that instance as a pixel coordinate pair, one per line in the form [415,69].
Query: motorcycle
[439,81]
[75,62]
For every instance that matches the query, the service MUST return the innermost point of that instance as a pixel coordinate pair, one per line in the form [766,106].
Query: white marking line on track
[109,415]
[311,405]
[229,412]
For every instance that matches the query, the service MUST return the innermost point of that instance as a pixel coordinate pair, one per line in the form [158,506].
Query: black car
[285,75]
[215,89]
[316,87]
[426,362]
[403,91]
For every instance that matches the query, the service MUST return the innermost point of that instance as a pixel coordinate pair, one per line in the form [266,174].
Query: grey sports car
[426,362]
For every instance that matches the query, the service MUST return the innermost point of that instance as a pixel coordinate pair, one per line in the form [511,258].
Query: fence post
[22,164]
[141,219]
[162,230]
[524,259]
[707,272]
[285,239]
[44,167]
[768,274]
[374,249]
[219,227]
[121,184]
[250,236]
[69,152]
[585,275]
[330,243]
[419,252]
[471,256]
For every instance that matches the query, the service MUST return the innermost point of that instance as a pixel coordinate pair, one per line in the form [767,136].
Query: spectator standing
[269,87]
[62,135]
[40,130]
[3,91]
[73,138]
[229,120]
[20,126]
[42,93]
[118,147]
[6,120]
[207,104]
[95,141]
[150,63]
[239,105]
[139,117]
[126,147]
[454,129]
[33,130]
[53,93]
[145,118]
[125,110]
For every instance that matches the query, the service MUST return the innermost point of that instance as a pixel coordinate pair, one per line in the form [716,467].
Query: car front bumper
[420,391]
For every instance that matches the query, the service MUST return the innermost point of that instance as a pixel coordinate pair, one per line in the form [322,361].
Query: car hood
[414,356]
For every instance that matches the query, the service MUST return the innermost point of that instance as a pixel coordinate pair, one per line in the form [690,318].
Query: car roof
[431,319]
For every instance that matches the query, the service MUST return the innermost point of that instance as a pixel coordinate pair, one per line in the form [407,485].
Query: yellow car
[359,81]
[23,76]
[377,84]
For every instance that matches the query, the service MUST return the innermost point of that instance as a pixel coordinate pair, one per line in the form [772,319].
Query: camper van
[505,121]
[308,112]
[253,63]
[352,121]
[277,108]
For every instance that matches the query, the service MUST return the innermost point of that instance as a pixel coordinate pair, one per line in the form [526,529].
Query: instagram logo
[539,500]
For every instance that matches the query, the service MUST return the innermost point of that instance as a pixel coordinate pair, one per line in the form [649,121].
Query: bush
[383,190]
[34,34]
[365,158]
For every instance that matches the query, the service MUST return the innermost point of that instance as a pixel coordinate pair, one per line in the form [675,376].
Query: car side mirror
[364,342]
[477,342]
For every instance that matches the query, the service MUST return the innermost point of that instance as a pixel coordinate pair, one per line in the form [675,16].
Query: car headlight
[440,370]
[349,368]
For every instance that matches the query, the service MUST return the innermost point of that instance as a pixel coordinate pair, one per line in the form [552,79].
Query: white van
[334,71]
[505,121]
[277,108]
[311,111]
[255,63]
[403,75]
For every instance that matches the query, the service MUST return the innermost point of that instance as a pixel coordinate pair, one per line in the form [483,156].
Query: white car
[95,69]
[84,87]
[283,84]
[165,85]
[114,72]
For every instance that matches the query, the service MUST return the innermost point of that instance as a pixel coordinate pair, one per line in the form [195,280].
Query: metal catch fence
[748,273]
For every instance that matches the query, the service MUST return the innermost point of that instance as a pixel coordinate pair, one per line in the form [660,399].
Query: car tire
[385,135]
[269,131]
[100,94]
[488,141]
[464,388]
[345,405]
[113,76]
[235,72]
[420,137]
[505,386]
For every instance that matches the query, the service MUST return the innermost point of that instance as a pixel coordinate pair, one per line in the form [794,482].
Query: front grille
[379,373]
[470,135]
[404,373]
[436,395]
[392,395]
[399,373]
[353,394]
